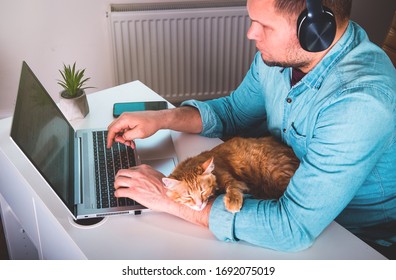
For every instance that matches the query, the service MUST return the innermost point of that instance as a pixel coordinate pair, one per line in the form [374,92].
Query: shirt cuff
[208,118]
[221,221]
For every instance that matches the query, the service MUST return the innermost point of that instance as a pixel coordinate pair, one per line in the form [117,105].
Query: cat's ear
[170,183]
[208,166]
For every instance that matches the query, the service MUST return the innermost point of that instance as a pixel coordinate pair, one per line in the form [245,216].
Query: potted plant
[73,101]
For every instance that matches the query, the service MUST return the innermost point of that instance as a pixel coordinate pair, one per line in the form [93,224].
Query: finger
[130,144]
[119,139]
[116,128]
[111,133]
[133,133]
[126,173]
[124,192]
[122,182]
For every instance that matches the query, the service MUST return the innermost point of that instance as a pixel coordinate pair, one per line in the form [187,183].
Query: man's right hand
[138,125]
[134,125]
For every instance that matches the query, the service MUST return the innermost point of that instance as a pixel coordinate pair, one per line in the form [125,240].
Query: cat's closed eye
[185,199]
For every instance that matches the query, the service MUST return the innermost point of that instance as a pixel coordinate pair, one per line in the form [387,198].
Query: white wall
[48,33]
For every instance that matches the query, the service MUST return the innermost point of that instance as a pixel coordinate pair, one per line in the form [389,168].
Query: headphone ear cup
[316,33]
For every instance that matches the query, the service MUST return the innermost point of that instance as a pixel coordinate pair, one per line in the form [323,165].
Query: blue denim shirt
[340,120]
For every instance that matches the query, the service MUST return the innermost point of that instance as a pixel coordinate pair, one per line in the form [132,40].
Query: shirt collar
[316,76]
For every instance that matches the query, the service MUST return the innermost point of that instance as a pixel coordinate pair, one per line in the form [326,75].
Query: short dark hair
[340,8]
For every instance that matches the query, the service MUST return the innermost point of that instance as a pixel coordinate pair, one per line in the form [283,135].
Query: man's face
[275,35]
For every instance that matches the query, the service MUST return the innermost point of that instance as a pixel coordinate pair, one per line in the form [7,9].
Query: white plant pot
[74,108]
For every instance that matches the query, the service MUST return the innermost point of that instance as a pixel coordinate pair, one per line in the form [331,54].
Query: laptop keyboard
[107,163]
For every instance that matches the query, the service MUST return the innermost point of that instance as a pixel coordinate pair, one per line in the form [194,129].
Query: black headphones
[316,27]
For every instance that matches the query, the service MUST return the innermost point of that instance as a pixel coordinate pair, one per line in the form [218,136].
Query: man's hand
[134,125]
[144,184]
[138,125]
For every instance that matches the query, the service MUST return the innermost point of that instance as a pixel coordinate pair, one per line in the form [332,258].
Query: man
[336,108]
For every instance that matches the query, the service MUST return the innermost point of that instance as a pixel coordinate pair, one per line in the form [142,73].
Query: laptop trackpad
[165,165]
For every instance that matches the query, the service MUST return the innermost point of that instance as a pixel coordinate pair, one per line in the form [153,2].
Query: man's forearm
[186,119]
[183,119]
[196,217]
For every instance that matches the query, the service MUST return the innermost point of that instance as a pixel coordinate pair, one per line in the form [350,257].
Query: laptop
[76,163]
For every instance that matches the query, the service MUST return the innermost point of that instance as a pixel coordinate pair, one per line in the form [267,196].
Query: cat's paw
[233,203]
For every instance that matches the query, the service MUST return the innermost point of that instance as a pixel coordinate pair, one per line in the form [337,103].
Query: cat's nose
[199,204]
[202,206]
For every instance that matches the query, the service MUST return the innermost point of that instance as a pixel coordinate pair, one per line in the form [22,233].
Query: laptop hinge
[78,174]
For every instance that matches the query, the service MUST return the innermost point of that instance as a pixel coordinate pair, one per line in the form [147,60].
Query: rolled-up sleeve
[221,221]
[228,115]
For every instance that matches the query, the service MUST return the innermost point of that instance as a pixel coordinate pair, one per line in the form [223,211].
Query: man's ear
[208,166]
[170,183]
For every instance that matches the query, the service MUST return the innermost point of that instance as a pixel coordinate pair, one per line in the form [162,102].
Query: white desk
[37,225]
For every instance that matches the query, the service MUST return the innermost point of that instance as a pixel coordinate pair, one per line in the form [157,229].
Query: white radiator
[182,50]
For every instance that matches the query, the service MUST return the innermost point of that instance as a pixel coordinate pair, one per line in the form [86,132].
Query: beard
[293,58]
[291,64]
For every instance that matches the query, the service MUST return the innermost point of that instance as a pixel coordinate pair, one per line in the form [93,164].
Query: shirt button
[289,100]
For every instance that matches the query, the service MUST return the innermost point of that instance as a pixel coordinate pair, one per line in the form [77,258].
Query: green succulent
[73,81]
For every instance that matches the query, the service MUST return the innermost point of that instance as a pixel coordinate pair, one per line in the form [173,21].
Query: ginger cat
[259,166]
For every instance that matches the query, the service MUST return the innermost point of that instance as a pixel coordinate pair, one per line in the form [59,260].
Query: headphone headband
[314,7]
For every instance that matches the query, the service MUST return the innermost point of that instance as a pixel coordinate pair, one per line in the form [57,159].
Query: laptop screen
[44,135]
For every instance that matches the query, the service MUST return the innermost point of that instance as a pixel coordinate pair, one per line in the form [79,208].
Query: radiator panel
[183,53]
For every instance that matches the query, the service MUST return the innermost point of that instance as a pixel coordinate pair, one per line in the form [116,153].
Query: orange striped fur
[259,166]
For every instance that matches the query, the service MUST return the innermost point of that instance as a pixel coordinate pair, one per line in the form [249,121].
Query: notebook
[75,163]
